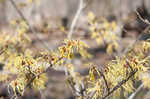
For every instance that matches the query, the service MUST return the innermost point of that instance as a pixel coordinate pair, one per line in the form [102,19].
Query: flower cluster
[104,32]
[28,68]
[69,46]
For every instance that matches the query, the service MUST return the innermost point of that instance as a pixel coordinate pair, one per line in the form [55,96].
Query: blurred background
[57,10]
[52,20]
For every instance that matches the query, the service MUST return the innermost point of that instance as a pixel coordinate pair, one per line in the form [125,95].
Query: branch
[77,15]
[119,84]
[30,27]
[105,81]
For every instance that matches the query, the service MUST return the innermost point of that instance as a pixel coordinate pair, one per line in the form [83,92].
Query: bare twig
[45,44]
[77,15]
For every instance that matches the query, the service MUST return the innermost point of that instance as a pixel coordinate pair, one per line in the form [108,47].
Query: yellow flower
[91,17]
[39,82]
[4,77]
[18,86]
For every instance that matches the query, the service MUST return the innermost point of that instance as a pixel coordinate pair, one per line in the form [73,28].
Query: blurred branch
[140,36]
[135,93]
[77,15]
[30,27]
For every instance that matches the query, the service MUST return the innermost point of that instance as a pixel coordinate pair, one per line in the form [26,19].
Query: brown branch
[120,84]
[105,81]
[45,44]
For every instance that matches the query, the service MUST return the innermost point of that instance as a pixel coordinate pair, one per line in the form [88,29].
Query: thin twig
[77,15]
[45,44]
[135,93]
